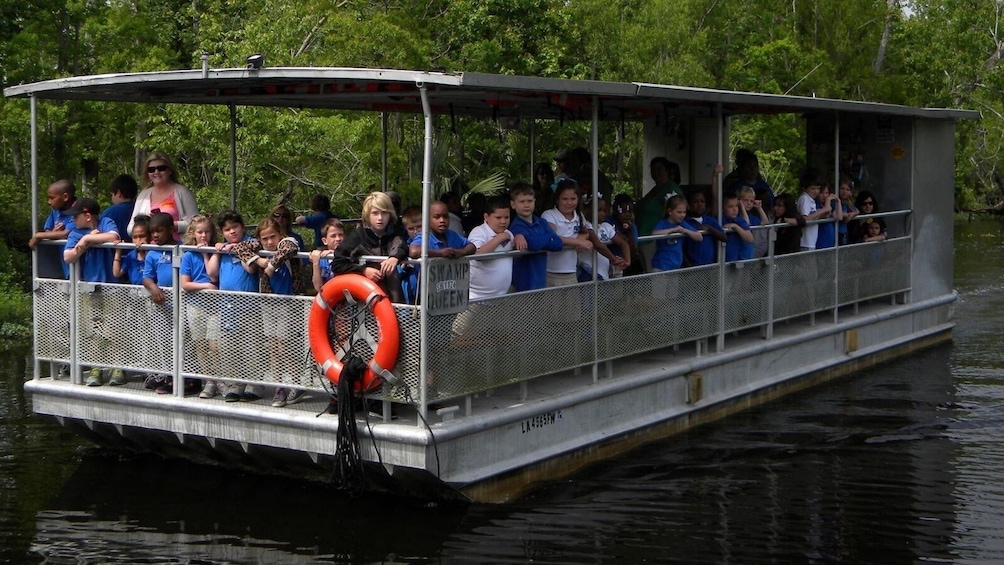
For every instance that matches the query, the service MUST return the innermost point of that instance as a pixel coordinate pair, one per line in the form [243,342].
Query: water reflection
[860,471]
[902,463]
[148,509]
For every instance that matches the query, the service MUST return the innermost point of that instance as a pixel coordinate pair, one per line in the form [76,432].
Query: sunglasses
[157,169]
[280,215]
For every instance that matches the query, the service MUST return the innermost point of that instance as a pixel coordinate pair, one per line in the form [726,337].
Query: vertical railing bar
[177,319]
[836,223]
[75,376]
[34,229]
[772,271]
[423,364]
[383,151]
[595,142]
[720,342]
[233,156]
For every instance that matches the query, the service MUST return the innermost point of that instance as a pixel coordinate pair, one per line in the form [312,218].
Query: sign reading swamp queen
[449,287]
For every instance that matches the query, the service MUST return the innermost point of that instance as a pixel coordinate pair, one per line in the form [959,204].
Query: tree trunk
[892,6]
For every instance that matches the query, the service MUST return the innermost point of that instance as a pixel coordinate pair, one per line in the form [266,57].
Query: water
[902,463]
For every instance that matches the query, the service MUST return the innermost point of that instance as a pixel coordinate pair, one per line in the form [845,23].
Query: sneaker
[252,393]
[94,377]
[152,381]
[118,377]
[279,400]
[63,372]
[167,387]
[233,393]
[209,390]
[295,395]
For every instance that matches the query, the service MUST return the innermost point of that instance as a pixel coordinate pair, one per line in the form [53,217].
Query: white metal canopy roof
[476,94]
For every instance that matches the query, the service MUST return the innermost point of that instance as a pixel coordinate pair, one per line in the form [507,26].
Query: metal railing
[495,342]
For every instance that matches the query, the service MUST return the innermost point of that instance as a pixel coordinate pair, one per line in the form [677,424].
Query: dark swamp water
[898,464]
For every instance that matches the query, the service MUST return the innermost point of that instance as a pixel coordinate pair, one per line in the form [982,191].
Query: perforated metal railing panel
[52,320]
[657,310]
[263,339]
[871,270]
[746,284]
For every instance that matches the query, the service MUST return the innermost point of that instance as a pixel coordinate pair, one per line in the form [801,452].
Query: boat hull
[518,436]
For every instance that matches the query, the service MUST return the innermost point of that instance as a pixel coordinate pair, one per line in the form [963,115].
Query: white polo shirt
[490,277]
[563,261]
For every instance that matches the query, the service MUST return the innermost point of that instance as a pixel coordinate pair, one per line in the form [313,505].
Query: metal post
[533,149]
[772,266]
[595,141]
[836,223]
[178,319]
[34,218]
[75,376]
[720,342]
[233,156]
[423,367]
[383,152]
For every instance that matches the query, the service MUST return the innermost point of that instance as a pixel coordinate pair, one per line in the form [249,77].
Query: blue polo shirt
[56,217]
[529,272]
[669,252]
[121,214]
[704,252]
[95,264]
[233,276]
[733,243]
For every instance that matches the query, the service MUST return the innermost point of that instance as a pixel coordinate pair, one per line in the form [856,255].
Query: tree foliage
[936,53]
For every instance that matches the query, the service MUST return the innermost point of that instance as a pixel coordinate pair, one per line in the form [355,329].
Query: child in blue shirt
[277,277]
[201,317]
[90,229]
[58,224]
[320,205]
[704,252]
[157,275]
[530,233]
[321,259]
[737,230]
[122,189]
[128,265]
[443,242]
[827,235]
[240,274]
[669,252]
[752,210]
[94,266]
[848,211]
[411,219]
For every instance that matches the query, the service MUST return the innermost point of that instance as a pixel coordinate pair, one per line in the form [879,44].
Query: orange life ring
[388,341]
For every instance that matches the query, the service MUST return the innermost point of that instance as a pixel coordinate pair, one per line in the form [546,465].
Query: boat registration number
[540,420]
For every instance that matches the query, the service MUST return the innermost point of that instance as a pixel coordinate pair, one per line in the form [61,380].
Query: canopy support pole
[595,172]
[34,212]
[233,156]
[383,151]
[423,367]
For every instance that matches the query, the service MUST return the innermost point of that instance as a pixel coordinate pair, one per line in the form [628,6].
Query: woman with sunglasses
[164,194]
[284,217]
[866,204]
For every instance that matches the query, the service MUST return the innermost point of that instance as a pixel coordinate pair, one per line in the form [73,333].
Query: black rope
[348,469]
